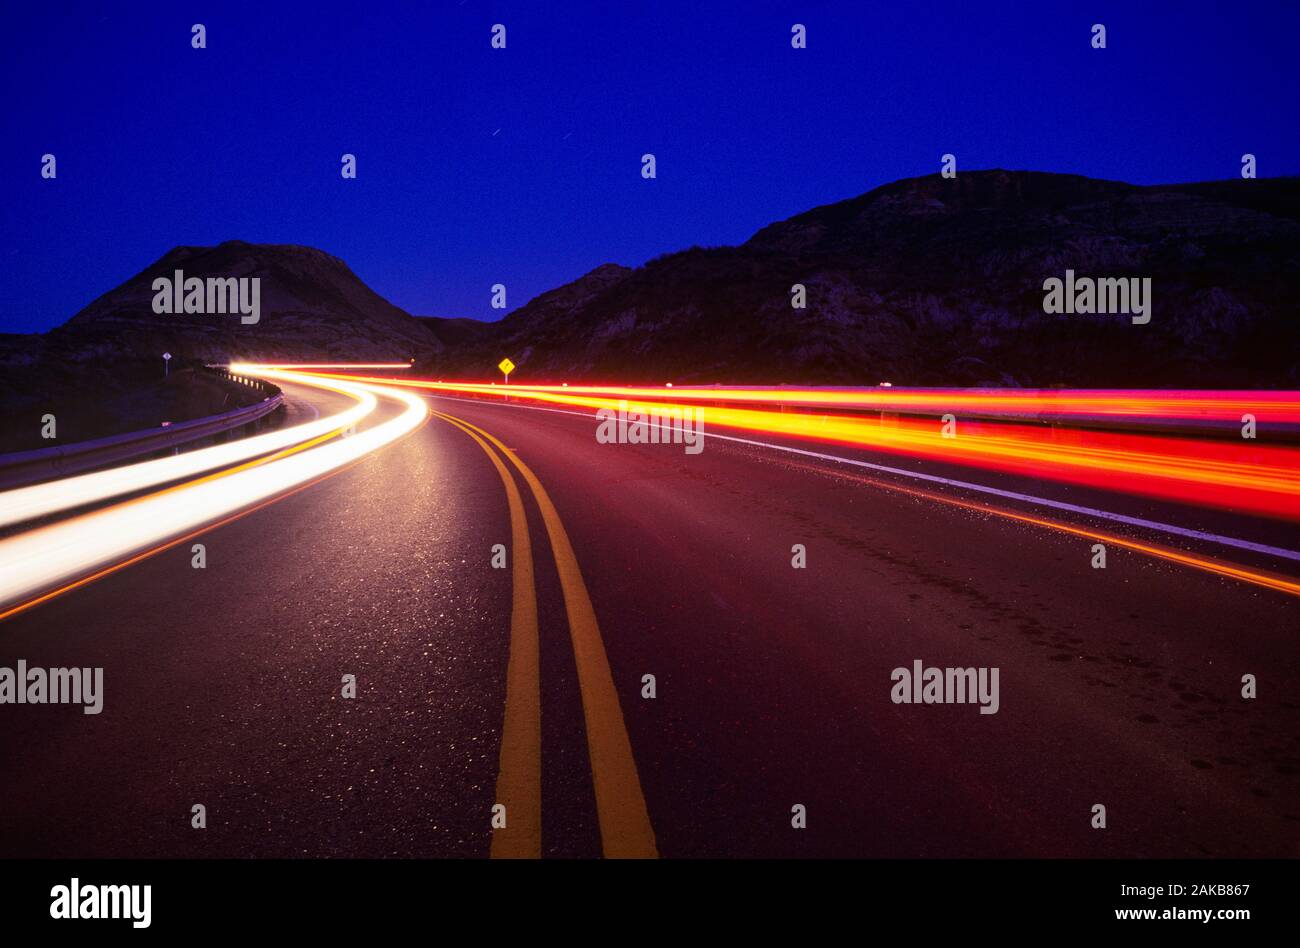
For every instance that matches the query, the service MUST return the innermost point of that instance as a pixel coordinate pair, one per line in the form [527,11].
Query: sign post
[506,367]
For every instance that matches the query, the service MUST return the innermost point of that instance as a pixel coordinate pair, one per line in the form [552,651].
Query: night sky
[522,166]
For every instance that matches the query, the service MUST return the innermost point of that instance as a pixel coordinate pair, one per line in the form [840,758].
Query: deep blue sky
[159,144]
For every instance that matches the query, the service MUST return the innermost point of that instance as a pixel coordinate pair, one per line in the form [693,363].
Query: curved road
[1118,687]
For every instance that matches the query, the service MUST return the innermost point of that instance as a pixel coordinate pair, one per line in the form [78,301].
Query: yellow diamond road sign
[506,366]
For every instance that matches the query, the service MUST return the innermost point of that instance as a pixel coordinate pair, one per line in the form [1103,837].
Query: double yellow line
[625,829]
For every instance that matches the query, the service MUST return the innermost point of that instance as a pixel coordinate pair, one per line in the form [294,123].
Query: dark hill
[312,307]
[933,281]
[99,372]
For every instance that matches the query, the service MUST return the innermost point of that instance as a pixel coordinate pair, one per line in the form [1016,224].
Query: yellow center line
[625,829]
[519,776]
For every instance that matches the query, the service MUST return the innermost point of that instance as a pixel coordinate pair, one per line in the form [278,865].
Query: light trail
[247,368]
[1229,405]
[1245,476]
[1257,577]
[39,500]
[36,561]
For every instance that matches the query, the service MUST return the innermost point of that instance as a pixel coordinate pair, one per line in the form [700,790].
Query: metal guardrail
[28,467]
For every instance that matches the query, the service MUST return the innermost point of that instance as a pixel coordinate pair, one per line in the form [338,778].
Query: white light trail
[39,500]
[40,560]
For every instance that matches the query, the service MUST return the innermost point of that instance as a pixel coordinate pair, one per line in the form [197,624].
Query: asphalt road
[1118,687]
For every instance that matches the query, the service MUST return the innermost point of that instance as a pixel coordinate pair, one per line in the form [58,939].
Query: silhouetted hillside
[312,306]
[934,281]
[926,281]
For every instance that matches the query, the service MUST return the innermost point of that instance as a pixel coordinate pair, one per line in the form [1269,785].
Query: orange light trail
[1275,407]
[1240,475]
